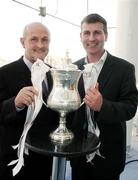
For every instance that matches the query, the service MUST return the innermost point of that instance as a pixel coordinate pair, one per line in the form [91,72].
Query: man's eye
[34,39]
[86,33]
[45,40]
[98,32]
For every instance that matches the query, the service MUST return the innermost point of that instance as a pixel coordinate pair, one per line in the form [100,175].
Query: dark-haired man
[113,102]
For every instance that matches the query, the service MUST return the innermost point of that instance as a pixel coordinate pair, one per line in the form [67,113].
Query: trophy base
[61,136]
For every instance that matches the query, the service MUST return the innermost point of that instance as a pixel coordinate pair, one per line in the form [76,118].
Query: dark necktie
[45,91]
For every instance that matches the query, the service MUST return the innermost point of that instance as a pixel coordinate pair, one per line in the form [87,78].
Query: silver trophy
[64,98]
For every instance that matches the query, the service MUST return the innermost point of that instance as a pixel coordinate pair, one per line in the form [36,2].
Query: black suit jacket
[118,87]
[13,77]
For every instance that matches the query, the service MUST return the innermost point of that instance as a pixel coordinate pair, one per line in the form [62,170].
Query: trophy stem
[62,134]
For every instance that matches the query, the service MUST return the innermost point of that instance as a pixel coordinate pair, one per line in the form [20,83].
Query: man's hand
[93,98]
[25,97]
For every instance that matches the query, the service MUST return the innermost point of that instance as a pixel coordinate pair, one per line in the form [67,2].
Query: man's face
[93,38]
[36,43]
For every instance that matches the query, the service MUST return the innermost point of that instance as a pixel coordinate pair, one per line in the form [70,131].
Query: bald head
[34,25]
[35,41]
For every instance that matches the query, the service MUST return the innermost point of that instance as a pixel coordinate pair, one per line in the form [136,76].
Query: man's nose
[39,43]
[91,37]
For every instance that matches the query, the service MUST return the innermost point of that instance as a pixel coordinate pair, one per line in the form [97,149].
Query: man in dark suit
[113,101]
[17,93]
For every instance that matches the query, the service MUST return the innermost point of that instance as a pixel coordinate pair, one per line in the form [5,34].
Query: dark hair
[94,18]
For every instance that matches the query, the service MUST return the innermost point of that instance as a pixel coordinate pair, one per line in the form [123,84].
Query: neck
[93,58]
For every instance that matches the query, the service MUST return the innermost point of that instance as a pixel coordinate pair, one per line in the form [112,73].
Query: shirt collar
[27,62]
[101,60]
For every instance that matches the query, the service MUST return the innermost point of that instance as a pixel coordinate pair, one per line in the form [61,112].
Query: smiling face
[35,40]
[93,38]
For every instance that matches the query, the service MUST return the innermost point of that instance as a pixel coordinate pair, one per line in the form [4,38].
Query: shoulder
[12,65]
[118,60]
[80,63]
[119,63]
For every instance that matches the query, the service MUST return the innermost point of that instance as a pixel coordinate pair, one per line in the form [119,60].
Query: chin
[41,57]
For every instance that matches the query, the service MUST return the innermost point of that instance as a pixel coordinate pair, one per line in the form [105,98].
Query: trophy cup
[64,98]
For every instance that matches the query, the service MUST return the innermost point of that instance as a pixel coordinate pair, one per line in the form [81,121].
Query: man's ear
[80,36]
[106,37]
[22,42]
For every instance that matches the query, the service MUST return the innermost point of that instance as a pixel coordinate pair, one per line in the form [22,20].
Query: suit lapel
[25,73]
[106,72]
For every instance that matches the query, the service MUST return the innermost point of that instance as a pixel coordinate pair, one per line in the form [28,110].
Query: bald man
[16,94]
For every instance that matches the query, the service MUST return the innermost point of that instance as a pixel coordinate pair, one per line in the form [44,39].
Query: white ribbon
[38,73]
[90,76]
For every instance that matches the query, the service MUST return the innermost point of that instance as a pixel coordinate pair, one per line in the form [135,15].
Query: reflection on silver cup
[64,98]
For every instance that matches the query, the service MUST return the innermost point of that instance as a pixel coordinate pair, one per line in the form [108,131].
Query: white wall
[127,41]
[14,17]
[127,31]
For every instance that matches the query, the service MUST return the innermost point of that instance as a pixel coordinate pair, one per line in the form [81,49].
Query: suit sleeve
[124,108]
[8,111]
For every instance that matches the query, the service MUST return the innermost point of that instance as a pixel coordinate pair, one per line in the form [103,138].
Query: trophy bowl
[64,98]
